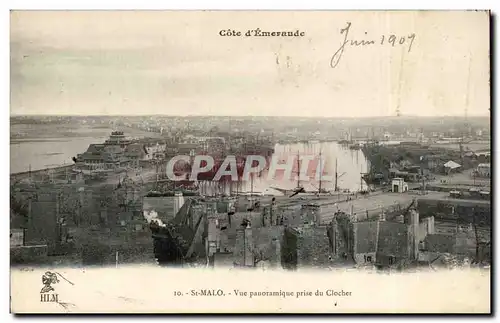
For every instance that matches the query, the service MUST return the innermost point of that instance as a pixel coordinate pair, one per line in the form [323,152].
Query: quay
[372,205]
[56,171]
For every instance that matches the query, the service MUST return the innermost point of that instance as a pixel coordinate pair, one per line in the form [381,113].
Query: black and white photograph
[182,161]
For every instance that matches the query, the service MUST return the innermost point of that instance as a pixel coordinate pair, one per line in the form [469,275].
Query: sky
[176,63]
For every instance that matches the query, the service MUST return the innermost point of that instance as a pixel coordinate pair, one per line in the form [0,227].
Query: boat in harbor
[116,155]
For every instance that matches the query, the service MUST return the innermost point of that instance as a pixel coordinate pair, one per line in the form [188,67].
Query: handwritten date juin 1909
[384,40]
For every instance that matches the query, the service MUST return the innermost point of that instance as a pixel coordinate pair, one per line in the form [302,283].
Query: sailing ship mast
[320,171]
[251,185]
[335,188]
[298,169]
[361,180]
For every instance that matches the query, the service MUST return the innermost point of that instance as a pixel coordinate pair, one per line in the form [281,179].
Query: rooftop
[381,237]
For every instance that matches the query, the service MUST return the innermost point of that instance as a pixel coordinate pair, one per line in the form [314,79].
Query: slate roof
[135,149]
[382,237]
[95,148]
[443,243]
[366,237]
[392,239]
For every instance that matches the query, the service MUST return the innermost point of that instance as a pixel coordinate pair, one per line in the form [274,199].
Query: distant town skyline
[176,63]
[13,115]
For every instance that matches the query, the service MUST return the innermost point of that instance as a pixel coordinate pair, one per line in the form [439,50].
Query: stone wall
[29,255]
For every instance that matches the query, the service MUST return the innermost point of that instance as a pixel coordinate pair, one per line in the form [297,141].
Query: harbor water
[350,164]
[49,152]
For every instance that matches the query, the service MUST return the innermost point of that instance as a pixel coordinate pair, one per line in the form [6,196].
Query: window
[392,260]
[368,258]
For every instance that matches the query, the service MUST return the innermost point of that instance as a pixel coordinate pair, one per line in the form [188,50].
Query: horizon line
[248,116]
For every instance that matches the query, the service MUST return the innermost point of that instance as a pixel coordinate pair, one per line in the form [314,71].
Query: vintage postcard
[250,162]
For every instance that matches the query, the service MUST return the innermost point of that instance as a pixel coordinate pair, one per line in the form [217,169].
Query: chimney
[239,247]
[178,202]
[317,214]
[414,227]
[332,237]
[218,237]
[81,195]
[354,239]
[272,210]
[212,234]
[414,217]
[430,225]
[249,258]
[276,248]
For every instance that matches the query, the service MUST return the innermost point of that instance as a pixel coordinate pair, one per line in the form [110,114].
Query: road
[460,179]
[373,203]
